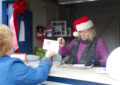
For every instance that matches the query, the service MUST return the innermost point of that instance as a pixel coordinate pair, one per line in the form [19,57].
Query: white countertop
[82,74]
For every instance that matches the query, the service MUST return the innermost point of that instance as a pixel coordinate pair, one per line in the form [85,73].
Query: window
[59,28]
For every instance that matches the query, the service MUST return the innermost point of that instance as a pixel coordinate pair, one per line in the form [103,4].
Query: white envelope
[51,45]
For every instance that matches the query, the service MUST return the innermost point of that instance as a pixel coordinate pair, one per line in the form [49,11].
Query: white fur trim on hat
[75,34]
[84,26]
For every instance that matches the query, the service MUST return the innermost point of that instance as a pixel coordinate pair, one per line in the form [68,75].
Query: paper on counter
[51,45]
[81,66]
[101,70]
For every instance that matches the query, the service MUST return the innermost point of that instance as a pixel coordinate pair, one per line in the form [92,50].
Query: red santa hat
[81,24]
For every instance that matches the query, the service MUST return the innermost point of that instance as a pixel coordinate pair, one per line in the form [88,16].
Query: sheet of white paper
[101,70]
[51,45]
[81,66]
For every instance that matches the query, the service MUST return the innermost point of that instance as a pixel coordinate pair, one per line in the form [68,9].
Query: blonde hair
[5,39]
[92,34]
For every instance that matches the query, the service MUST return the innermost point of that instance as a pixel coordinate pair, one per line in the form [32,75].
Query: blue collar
[4,57]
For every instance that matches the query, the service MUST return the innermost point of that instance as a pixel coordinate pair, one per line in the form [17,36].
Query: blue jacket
[14,72]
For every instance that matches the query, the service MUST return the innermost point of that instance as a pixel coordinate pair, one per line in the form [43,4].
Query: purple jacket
[101,52]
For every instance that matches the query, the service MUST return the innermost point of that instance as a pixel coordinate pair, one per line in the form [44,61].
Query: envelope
[51,45]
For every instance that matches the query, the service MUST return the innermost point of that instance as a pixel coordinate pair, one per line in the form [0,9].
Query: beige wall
[43,12]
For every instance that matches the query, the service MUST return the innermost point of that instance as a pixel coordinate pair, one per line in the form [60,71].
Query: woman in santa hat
[86,48]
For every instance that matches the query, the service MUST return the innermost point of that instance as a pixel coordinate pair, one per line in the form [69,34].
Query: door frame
[5,4]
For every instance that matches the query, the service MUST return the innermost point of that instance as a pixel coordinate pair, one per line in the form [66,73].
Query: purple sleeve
[63,51]
[101,52]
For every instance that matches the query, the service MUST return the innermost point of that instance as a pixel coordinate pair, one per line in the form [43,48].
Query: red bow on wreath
[19,8]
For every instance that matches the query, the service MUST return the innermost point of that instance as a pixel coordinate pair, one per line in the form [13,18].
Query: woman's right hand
[62,41]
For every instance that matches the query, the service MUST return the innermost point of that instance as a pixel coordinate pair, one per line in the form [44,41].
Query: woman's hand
[50,53]
[62,41]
